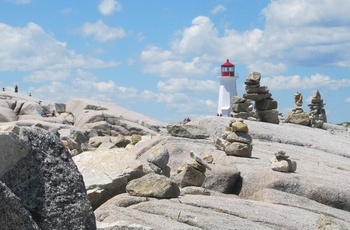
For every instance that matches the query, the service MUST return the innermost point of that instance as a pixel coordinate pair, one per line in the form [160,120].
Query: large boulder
[153,185]
[106,173]
[13,214]
[45,179]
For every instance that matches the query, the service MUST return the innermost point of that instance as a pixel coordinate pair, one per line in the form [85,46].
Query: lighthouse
[227,89]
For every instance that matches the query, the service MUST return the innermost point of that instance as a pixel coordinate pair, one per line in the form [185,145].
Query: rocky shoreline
[98,166]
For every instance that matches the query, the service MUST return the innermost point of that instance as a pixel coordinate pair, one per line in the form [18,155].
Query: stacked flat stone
[280,162]
[298,116]
[241,108]
[317,113]
[265,105]
[236,141]
[193,172]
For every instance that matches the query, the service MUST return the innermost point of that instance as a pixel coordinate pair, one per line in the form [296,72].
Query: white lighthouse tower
[228,88]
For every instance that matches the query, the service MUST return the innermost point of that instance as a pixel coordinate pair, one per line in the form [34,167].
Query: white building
[228,88]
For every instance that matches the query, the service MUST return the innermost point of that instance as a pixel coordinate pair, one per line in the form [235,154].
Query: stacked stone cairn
[192,173]
[265,105]
[280,162]
[236,141]
[241,108]
[298,116]
[317,113]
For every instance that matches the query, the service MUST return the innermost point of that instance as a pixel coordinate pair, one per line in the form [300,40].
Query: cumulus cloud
[102,32]
[218,9]
[299,82]
[48,75]
[108,7]
[187,85]
[31,48]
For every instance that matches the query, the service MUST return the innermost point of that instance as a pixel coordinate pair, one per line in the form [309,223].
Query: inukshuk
[265,105]
[317,113]
[236,141]
[298,116]
[280,162]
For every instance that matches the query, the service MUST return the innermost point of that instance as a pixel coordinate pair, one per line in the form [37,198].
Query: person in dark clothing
[16,89]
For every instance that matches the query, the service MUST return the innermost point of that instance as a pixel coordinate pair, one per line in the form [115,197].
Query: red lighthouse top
[227,69]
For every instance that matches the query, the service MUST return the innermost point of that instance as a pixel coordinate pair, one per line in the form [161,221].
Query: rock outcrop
[265,105]
[43,180]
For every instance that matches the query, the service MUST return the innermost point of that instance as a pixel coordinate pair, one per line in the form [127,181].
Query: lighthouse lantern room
[227,89]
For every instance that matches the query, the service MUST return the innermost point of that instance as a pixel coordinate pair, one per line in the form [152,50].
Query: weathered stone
[270,116]
[239,137]
[159,156]
[242,107]
[266,104]
[239,149]
[298,118]
[254,77]
[135,138]
[188,131]
[153,185]
[221,143]
[47,182]
[197,165]
[257,97]
[238,100]
[194,190]
[13,215]
[283,165]
[222,179]
[199,159]
[258,90]
[239,126]
[191,177]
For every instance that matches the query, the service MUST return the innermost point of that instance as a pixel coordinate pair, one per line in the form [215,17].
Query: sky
[162,58]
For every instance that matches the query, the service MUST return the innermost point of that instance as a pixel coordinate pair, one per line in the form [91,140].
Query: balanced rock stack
[281,163]
[236,141]
[265,105]
[193,172]
[298,116]
[317,113]
[241,107]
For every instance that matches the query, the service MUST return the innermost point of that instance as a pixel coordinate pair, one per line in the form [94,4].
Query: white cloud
[108,7]
[298,82]
[218,9]
[48,75]
[347,100]
[101,32]
[187,85]
[31,48]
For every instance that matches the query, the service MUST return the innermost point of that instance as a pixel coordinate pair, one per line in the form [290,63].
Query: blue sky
[162,58]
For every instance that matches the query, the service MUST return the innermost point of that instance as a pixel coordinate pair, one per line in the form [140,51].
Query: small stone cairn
[298,116]
[241,108]
[265,105]
[157,160]
[192,173]
[317,113]
[280,162]
[236,141]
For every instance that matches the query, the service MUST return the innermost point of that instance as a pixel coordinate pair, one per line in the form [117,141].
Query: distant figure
[16,89]
[29,94]
[42,113]
[3,89]
[53,113]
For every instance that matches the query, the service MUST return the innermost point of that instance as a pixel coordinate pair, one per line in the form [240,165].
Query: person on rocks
[16,89]
[3,89]
[53,113]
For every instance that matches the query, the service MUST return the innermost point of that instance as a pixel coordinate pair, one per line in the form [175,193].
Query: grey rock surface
[47,182]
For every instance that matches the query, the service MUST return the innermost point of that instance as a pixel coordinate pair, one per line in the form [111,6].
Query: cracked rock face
[46,182]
